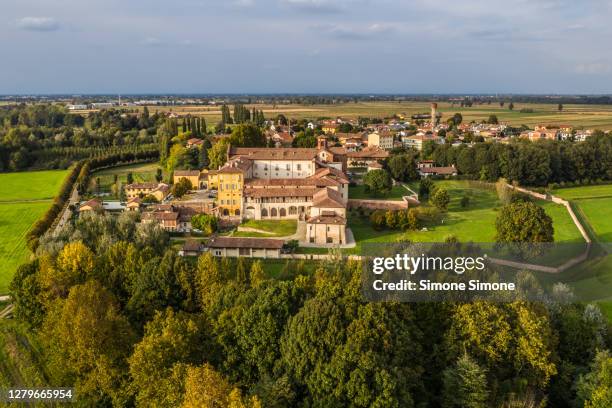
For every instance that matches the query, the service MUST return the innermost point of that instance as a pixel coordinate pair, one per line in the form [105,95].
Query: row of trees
[531,164]
[195,125]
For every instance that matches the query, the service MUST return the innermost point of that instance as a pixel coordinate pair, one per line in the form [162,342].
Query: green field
[476,223]
[34,185]
[272,228]
[143,172]
[358,192]
[21,358]
[587,116]
[593,205]
[584,192]
[20,207]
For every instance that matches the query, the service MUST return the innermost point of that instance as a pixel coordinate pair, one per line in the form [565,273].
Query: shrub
[205,223]
[378,220]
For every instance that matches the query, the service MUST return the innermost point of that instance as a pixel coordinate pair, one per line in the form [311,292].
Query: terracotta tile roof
[194,141]
[324,172]
[162,187]
[134,200]
[160,216]
[279,192]
[237,165]
[93,203]
[186,173]
[257,243]
[369,153]
[309,181]
[163,207]
[142,186]
[439,170]
[282,153]
[192,245]
[327,198]
[327,219]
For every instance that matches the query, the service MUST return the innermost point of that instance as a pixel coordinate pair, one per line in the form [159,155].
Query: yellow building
[211,178]
[229,192]
[192,175]
[157,190]
[329,128]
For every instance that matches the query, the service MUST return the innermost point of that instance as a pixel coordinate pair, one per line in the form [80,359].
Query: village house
[417,141]
[381,139]
[194,142]
[244,247]
[540,133]
[280,139]
[329,127]
[134,204]
[582,135]
[194,176]
[158,190]
[192,247]
[172,218]
[94,205]
[428,168]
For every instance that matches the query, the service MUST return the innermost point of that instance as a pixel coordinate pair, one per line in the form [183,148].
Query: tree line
[529,163]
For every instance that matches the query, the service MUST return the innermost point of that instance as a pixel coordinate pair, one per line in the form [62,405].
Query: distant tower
[322,142]
[434,114]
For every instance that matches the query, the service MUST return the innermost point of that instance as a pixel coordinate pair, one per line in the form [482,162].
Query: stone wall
[378,204]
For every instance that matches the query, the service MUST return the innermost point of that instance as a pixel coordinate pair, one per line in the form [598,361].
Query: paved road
[66,214]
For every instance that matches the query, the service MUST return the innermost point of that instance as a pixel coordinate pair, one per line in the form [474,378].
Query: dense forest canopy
[127,321]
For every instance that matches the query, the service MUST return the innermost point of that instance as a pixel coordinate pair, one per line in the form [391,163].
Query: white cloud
[243,3]
[360,32]
[314,6]
[38,24]
[152,42]
[594,68]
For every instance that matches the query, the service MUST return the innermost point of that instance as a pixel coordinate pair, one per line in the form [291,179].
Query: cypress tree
[465,385]
[203,127]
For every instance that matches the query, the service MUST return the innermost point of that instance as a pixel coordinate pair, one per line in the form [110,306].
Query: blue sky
[250,46]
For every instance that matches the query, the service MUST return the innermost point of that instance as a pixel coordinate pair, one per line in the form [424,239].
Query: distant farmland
[587,116]
[24,197]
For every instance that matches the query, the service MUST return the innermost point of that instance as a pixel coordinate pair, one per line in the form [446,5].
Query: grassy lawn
[593,205]
[475,223]
[143,172]
[33,185]
[24,198]
[597,212]
[358,192]
[580,193]
[272,228]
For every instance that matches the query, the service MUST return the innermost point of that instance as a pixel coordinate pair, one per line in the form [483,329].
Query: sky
[306,46]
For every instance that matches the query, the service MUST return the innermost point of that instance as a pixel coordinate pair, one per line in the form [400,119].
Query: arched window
[273,212]
[225,212]
[282,212]
[264,212]
[292,210]
[237,212]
